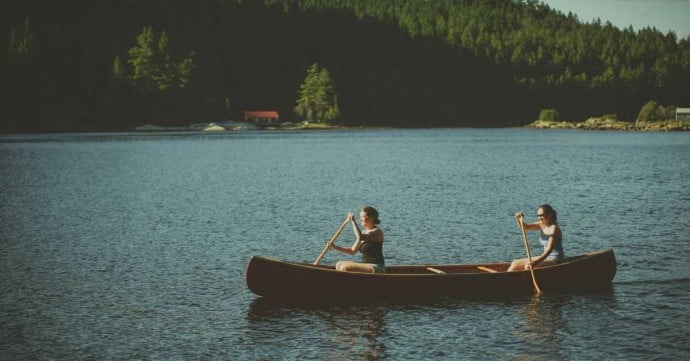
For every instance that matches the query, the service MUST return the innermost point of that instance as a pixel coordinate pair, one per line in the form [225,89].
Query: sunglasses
[541,215]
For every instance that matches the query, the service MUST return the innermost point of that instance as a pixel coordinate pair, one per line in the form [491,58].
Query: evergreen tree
[19,43]
[399,62]
[548,114]
[317,98]
[153,69]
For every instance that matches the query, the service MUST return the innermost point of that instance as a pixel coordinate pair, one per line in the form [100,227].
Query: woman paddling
[368,242]
[550,237]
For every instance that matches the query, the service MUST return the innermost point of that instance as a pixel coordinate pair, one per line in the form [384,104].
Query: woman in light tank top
[550,237]
[368,242]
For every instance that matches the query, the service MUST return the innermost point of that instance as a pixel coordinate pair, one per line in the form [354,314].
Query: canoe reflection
[334,330]
[544,328]
[543,320]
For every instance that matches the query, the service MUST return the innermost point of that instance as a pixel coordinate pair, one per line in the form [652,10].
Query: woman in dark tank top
[372,252]
[369,242]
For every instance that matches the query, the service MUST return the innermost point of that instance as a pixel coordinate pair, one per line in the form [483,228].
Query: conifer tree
[152,67]
[19,43]
[317,98]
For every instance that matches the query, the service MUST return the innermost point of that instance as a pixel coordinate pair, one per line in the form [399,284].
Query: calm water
[130,246]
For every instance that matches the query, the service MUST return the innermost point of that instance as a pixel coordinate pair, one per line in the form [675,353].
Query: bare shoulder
[375,234]
[551,230]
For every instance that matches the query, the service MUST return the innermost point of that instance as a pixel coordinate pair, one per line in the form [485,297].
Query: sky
[664,15]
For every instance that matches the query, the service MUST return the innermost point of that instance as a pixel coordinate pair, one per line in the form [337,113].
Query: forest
[97,65]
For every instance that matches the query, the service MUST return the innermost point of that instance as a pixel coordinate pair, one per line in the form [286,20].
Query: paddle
[529,255]
[330,243]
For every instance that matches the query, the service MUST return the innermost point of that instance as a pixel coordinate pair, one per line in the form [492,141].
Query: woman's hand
[351,217]
[519,215]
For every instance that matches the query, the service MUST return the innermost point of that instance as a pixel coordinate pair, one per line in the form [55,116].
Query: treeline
[544,46]
[82,64]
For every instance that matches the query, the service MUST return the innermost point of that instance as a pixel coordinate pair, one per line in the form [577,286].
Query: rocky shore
[589,124]
[237,126]
[612,124]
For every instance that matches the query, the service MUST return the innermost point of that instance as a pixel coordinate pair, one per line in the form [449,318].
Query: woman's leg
[349,266]
[519,264]
[545,263]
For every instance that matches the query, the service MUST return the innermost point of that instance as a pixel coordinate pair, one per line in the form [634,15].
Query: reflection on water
[545,330]
[539,326]
[542,322]
[134,246]
[342,331]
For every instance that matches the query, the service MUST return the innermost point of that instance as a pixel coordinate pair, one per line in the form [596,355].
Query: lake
[134,245]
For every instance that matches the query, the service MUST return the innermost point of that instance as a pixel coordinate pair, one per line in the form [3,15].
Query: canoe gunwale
[269,277]
[330,268]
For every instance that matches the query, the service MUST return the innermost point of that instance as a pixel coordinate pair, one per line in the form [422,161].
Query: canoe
[278,279]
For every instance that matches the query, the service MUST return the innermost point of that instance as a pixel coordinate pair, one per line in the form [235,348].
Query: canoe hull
[290,280]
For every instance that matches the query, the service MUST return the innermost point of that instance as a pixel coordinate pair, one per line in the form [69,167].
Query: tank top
[372,252]
[557,252]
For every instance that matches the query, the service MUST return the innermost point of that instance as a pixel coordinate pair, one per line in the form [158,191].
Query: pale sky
[664,15]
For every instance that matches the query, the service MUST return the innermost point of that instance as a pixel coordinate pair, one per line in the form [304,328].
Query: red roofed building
[261,117]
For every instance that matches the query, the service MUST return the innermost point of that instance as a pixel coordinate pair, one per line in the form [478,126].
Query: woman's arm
[528,226]
[345,250]
[358,238]
[375,235]
[547,252]
[549,246]
[355,227]
[532,226]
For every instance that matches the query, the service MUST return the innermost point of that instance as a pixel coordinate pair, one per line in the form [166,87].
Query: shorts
[378,267]
[555,259]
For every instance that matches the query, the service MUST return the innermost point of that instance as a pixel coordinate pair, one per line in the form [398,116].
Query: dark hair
[550,212]
[372,212]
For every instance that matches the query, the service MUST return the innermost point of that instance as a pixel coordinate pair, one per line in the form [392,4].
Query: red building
[261,117]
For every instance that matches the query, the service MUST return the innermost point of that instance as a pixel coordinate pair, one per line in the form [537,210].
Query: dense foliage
[317,98]
[548,114]
[393,62]
[152,69]
[654,112]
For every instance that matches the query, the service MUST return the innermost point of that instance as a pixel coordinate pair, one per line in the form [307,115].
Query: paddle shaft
[529,255]
[330,243]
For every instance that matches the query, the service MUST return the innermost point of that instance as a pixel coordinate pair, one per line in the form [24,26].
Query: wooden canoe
[277,279]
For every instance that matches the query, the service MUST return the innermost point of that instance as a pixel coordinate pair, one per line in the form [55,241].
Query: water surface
[133,246]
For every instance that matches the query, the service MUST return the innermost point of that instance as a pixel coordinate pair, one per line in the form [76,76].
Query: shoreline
[231,126]
[612,124]
[589,124]
[592,124]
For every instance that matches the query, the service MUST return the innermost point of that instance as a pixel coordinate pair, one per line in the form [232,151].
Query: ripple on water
[134,247]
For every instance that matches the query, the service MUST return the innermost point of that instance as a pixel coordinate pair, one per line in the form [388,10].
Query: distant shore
[589,124]
[240,126]
[612,124]
[230,126]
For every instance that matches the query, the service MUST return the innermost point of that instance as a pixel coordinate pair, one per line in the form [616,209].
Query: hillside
[394,62]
